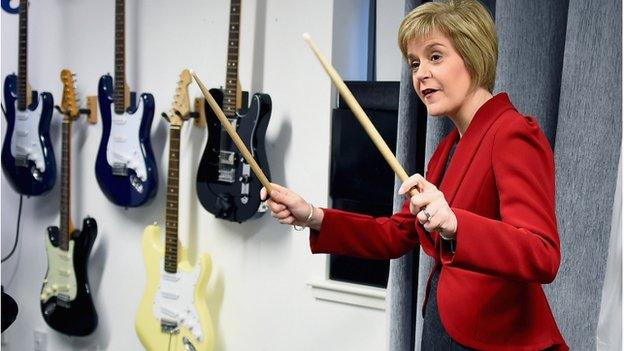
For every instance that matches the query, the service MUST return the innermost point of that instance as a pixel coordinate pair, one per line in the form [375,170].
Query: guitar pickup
[227,158]
[120,169]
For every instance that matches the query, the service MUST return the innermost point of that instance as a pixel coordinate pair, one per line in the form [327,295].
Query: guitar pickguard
[174,303]
[124,151]
[60,281]
[25,144]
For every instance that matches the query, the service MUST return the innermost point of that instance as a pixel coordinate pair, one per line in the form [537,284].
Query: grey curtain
[559,61]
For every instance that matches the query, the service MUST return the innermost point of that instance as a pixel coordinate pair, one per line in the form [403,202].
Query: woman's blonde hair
[470,28]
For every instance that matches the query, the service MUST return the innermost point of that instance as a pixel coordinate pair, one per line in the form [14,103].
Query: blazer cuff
[448,248]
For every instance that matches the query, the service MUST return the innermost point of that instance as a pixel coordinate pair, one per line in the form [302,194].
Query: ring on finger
[427,214]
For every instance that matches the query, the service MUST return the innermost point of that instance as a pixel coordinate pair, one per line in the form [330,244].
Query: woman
[485,212]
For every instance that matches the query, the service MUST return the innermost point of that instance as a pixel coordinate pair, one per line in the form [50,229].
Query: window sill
[349,294]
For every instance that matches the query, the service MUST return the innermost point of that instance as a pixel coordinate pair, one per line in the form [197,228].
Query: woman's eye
[436,57]
[414,65]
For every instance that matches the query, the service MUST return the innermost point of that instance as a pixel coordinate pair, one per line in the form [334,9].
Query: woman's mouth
[428,92]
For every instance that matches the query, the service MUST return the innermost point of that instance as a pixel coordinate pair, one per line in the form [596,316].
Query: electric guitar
[226,186]
[173,314]
[27,155]
[125,167]
[66,302]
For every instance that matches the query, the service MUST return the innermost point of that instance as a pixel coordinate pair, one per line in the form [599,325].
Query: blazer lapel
[469,144]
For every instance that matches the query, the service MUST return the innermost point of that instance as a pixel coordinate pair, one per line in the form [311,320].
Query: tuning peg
[166,116]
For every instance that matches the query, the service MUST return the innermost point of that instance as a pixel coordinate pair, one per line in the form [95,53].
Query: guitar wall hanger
[90,111]
[198,115]
[200,112]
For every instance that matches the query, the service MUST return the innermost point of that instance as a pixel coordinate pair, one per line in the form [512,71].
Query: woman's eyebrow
[432,45]
[427,47]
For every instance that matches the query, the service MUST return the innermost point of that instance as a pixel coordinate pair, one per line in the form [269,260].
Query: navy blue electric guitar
[125,167]
[27,155]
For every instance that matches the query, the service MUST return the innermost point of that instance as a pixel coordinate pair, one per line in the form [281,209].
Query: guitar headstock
[180,108]
[69,104]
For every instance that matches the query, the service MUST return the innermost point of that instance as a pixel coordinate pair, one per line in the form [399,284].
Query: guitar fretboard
[120,56]
[65,184]
[171,213]
[22,55]
[231,77]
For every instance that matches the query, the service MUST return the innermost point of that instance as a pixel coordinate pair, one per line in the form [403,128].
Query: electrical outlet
[41,340]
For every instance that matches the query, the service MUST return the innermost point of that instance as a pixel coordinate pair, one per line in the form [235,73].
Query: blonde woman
[485,211]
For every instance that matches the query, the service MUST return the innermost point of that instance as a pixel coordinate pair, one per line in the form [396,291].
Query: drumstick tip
[306,36]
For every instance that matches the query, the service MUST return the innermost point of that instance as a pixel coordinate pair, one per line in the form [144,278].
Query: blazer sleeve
[351,234]
[524,244]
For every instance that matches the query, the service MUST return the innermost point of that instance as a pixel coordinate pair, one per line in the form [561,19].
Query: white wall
[390,13]
[258,294]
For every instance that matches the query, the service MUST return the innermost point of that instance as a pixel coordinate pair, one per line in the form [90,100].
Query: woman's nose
[422,72]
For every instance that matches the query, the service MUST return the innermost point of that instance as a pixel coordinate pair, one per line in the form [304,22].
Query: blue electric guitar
[27,155]
[125,167]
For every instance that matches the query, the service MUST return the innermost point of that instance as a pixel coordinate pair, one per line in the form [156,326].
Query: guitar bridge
[168,326]
[120,169]
[21,161]
[226,158]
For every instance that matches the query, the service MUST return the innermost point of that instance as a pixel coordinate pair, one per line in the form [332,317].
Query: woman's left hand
[430,207]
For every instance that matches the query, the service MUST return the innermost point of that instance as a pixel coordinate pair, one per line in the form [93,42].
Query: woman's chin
[435,112]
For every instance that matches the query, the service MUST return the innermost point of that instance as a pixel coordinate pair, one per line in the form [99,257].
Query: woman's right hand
[290,208]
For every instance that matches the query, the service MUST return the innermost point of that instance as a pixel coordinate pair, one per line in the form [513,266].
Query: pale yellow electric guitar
[173,314]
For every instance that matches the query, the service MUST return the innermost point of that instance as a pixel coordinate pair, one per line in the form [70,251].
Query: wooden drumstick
[359,112]
[232,132]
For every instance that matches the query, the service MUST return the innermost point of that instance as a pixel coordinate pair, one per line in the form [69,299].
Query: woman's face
[440,77]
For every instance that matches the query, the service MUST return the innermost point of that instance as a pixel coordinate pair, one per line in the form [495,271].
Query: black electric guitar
[27,156]
[226,186]
[66,301]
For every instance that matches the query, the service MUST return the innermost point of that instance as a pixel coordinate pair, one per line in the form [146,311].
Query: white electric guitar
[173,314]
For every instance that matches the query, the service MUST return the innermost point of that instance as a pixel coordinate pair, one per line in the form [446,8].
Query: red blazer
[501,185]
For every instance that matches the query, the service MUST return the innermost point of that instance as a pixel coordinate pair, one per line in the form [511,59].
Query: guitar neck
[231,77]
[171,236]
[119,98]
[65,185]
[22,81]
